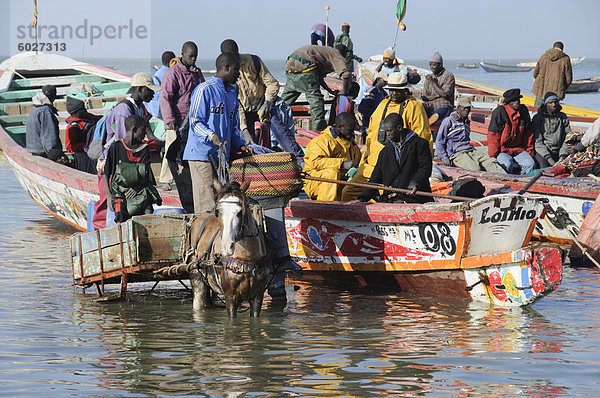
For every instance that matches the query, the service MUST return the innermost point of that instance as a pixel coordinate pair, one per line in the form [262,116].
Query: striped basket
[271,174]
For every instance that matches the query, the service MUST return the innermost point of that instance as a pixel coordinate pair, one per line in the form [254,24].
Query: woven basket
[271,174]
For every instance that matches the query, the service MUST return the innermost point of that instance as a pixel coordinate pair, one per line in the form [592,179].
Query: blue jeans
[524,160]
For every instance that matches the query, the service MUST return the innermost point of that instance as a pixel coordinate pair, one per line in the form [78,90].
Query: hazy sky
[459,29]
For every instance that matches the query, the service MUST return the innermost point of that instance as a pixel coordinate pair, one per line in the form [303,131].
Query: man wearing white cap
[413,115]
[143,89]
[438,90]
[453,142]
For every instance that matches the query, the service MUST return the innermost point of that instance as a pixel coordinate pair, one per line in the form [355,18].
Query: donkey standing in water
[231,254]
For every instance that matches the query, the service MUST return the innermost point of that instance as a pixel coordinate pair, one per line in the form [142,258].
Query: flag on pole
[35,13]
[400,13]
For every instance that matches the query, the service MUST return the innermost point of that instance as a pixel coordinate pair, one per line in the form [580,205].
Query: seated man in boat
[41,130]
[550,129]
[438,90]
[214,122]
[79,132]
[128,178]
[257,89]
[404,162]
[306,68]
[390,64]
[510,136]
[453,142]
[331,155]
[373,96]
[413,114]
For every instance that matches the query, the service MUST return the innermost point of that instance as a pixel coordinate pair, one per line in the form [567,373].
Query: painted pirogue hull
[584,86]
[474,251]
[570,199]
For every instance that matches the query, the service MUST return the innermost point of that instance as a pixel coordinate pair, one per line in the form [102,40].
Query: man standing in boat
[214,121]
[414,117]
[453,142]
[344,38]
[257,89]
[306,68]
[404,162]
[510,136]
[176,89]
[438,90]
[553,72]
[41,130]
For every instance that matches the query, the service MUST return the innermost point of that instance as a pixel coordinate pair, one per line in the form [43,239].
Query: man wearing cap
[306,68]
[390,64]
[510,136]
[142,90]
[453,142]
[438,90]
[553,72]
[41,130]
[344,38]
[414,118]
[550,129]
[373,96]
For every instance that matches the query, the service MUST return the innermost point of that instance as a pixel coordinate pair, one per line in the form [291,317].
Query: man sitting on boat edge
[331,155]
[404,162]
[438,90]
[453,142]
[41,129]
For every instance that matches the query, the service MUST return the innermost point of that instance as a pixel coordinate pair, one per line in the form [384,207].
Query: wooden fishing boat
[489,67]
[475,251]
[584,85]
[467,66]
[62,191]
[532,64]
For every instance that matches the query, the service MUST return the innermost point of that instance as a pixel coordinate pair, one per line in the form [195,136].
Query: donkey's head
[232,208]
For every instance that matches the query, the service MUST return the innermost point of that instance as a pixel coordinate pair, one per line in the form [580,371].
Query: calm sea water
[327,341]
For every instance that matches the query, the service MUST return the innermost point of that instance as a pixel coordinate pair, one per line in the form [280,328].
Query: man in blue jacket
[41,130]
[214,121]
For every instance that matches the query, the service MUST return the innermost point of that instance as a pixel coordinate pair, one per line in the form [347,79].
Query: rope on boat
[370,185]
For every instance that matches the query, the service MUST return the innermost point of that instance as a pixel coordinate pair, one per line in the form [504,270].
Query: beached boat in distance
[532,64]
[584,85]
[489,67]
[475,251]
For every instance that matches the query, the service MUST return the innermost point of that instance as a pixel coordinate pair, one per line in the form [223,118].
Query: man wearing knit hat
[550,128]
[41,130]
[438,90]
[453,142]
[344,38]
[80,126]
[510,136]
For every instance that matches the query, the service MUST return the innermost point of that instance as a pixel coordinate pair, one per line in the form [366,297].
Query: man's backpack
[96,144]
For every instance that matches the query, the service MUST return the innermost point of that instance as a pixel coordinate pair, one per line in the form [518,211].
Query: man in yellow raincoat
[415,119]
[331,155]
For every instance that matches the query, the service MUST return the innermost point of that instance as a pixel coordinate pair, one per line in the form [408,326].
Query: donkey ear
[245,185]
[217,185]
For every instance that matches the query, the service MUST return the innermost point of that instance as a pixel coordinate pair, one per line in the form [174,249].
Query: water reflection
[327,341]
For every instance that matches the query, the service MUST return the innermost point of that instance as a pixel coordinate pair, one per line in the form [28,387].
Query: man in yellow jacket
[415,119]
[331,155]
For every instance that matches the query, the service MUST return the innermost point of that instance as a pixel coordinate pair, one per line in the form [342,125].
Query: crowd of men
[238,112]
